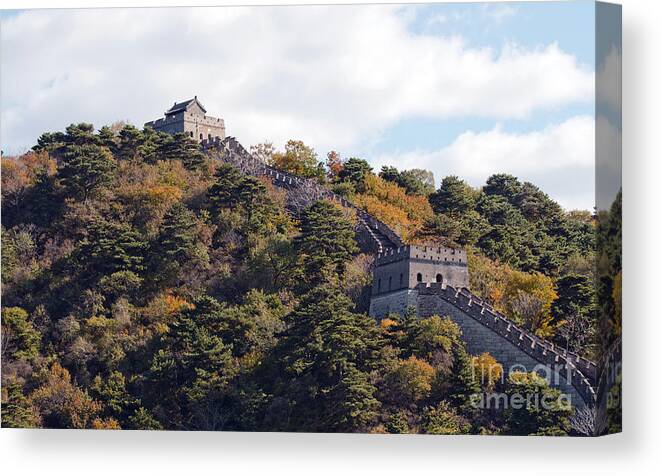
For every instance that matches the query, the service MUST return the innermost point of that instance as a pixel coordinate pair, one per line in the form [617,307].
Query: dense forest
[146,285]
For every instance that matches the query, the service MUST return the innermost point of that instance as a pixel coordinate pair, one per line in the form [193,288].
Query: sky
[459,89]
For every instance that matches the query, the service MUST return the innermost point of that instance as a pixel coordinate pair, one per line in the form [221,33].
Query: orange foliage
[389,203]
[105,424]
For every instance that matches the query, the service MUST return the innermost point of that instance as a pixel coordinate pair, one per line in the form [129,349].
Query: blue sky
[465,89]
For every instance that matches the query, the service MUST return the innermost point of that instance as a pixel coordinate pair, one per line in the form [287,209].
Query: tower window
[378,288]
[389,283]
[439,278]
[201,136]
[419,277]
[401,280]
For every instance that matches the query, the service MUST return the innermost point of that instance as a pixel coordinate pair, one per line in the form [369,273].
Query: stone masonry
[433,281]
[190,117]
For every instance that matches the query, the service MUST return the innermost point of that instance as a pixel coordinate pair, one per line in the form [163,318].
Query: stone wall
[198,126]
[372,235]
[485,330]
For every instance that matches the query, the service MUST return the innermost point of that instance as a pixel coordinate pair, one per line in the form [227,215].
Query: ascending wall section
[485,330]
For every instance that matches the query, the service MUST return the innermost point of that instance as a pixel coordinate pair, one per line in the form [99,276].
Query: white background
[633,452]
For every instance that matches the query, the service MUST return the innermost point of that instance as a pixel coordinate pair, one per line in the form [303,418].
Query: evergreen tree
[354,171]
[327,355]
[455,197]
[190,371]
[110,247]
[534,408]
[325,244]
[129,141]
[85,170]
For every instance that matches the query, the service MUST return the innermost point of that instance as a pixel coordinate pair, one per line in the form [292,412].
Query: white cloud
[560,159]
[334,77]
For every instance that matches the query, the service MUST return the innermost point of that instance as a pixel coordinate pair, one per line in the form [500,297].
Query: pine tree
[326,357]
[190,371]
[325,244]
[85,170]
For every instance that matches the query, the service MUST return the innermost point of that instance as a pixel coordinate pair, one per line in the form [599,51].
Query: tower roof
[184,105]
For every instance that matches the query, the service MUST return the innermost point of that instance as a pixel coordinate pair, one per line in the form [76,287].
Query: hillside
[148,286]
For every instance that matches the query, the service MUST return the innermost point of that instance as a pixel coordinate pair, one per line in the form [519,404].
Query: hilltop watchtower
[398,271]
[191,118]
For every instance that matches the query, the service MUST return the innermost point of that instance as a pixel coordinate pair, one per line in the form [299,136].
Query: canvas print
[359,218]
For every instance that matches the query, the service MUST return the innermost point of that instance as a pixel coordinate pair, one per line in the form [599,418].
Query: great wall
[483,328]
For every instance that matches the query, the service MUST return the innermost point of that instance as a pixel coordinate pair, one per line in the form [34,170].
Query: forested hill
[147,286]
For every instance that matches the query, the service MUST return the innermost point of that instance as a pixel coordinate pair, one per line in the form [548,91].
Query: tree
[504,185]
[62,404]
[110,247]
[17,410]
[236,195]
[414,181]
[443,420]
[129,141]
[534,408]
[488,371]
[354,171]
[20,340]
[327,355]
[574,310]
[191,369]
[181,146]
[325,244]
[298,159]
[86,170]
[177,244]
[409,382]
[263,151]
[454,197]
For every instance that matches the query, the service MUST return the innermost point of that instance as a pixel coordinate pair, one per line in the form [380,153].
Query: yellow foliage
[411,380]
[175,304]
[389,203]
[487,370]
[164,193]
[61,401]
[387,323]
[505,288]
[105,424]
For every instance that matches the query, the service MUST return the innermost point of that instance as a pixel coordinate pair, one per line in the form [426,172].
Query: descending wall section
[486,330]
[372,235]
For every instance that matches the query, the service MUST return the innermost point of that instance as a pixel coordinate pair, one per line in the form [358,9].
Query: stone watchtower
[398,271]
[190,117]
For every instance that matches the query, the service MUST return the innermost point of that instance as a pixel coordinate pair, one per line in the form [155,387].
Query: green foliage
[142,292]
[354,171]
[325,243]
[327,354]
[110,247]
[20,340]
[191,369]
[534,408]
[86,170]
[414,181]
[17,410]
[184,148]
[453,198]
[443,420]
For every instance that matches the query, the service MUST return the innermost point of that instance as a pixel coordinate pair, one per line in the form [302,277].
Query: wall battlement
[429,252]
[483,328]
[500,337]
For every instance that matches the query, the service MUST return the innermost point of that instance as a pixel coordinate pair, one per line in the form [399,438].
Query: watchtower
[191,118]
[398,271]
